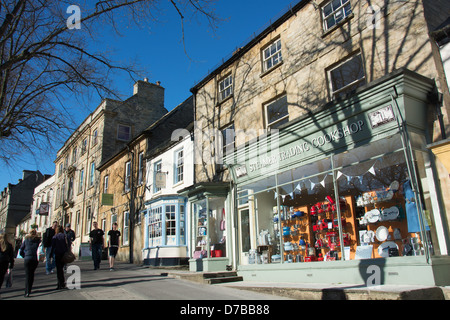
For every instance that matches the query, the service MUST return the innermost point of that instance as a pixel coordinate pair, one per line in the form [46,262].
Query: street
[127,282]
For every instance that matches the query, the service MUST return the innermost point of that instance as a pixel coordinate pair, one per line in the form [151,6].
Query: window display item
[383,249]
[382,233]
[372,216]
[411,208]
[389,213]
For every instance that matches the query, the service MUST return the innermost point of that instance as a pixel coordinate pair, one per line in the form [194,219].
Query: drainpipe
[131,208]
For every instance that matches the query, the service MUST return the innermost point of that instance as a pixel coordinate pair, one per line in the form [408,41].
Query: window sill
[224,100]
[337,26]
[262,75]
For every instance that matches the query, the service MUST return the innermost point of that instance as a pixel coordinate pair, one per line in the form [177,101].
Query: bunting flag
[339,174]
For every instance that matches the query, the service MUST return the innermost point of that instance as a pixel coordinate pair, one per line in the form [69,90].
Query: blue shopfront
[165,232]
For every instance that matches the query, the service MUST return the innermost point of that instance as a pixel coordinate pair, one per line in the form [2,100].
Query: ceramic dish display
[366,236]
[383,249]
[382,233]
[389,214]
[372,216]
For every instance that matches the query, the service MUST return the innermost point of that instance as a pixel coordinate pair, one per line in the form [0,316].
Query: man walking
[97,243]
[47,243]
[113,245]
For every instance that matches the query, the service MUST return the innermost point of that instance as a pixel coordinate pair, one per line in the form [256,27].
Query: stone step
[220,274]
[224,279]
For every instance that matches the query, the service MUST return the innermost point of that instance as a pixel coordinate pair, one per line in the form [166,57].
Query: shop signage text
[306,145]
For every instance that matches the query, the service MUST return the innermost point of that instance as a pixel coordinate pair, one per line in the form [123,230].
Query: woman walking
[29,251]
[6,256]
[59,247]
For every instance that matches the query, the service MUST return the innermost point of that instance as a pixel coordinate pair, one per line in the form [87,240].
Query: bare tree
[45,58]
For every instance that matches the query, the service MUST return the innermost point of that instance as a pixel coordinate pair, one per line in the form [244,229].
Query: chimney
[27,173]
[151,92]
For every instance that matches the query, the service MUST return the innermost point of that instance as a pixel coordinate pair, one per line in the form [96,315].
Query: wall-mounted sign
[107,199]
[381,116]
[160,180]
[241,171]
[43,209]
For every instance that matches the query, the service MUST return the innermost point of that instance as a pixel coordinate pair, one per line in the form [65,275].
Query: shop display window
[357,204]
[210,234]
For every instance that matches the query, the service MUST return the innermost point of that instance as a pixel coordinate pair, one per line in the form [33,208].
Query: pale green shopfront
[344,195]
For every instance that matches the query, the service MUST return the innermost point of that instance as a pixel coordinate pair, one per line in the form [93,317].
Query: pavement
[133,282]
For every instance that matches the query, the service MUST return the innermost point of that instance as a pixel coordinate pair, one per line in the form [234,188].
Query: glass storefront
[360,203]
[209,228]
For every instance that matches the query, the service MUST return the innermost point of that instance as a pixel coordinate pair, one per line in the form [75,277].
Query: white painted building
[170,169]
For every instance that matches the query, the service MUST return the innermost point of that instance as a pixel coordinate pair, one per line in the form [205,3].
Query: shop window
[210,228]
[358,204]
[182,225]
[276,113]
[347,76]
[155,227]
[334,12]
[171,223]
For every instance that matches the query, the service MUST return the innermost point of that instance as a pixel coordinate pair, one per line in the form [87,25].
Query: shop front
[210,221]
[345,195]
[165,232]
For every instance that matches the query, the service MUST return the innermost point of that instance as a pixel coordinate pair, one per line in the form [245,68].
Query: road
[127,282]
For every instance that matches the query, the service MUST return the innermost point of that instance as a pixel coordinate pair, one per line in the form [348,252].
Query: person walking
[29,251]
[6,257]
[59,247]
[97,244]
[47,243]
[70,235]
[113,245]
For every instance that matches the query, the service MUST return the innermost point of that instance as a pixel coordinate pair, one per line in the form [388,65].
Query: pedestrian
[6,257]
[113,245]
[70,235]
[47,242]
[97,244]
[59,247]
[29,251]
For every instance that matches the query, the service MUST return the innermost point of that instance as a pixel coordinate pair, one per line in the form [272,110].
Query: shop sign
[43,209]
[306,145]
[160,180]
[107,199]
[381,116]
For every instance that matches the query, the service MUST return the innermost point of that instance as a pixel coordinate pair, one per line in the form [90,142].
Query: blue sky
[159,49]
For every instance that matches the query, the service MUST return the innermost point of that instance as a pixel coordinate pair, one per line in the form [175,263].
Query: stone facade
[105,131]
[129,184]
[398,39]
[16,200]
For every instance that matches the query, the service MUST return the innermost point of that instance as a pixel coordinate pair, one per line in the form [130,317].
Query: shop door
[244,234]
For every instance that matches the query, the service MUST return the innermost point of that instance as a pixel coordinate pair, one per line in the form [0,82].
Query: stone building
[321,120]
[106,130]
[16,200]
[125,180]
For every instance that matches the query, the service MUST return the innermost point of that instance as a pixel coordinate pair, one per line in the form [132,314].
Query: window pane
[277,110]
[347,73]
